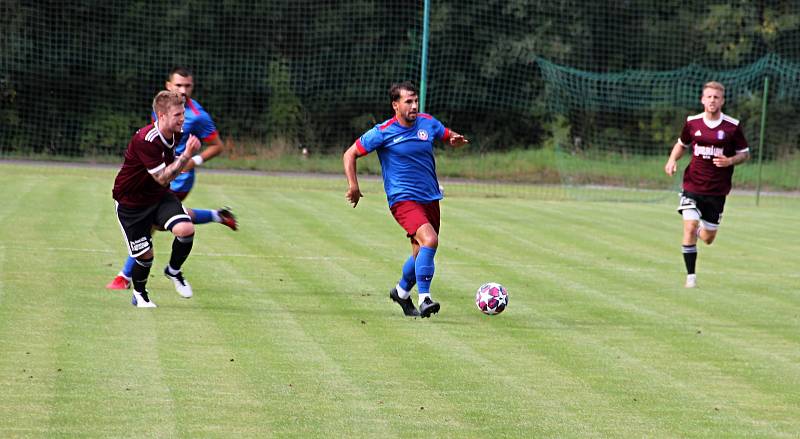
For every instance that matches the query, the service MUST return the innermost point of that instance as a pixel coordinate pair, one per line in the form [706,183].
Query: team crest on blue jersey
[720,134]
[422,134]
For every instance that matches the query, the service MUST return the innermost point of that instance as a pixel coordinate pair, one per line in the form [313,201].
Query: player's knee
[183,229]
[145,260]
[426,236]
[430,240]
[146,255]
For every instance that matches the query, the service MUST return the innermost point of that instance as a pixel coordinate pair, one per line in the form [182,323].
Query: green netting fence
[615,125]
[560,98]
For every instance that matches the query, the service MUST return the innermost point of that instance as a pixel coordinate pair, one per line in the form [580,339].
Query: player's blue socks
[423,267]
[127,268]
[202,216]
[409,278]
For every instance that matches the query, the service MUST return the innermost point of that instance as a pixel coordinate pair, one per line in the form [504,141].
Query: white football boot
[142,300]
[181,286]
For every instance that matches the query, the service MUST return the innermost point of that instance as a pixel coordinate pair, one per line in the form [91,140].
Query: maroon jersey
[147,153]
[708,139]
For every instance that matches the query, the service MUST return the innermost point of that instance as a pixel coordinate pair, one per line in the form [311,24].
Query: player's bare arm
[724,162]
[210,150]
[349,159]
[169,173]
[671,167]
[457,140]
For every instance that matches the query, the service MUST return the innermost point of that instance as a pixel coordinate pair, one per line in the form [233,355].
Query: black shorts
[137,224]
[709,206]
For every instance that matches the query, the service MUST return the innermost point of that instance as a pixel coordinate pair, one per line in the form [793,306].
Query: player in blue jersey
[404,145]
[197,122]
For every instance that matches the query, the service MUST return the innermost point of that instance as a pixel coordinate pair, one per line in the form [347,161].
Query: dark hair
[394,90]
[179,70]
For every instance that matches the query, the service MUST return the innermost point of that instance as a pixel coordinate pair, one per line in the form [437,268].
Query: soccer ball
[491,298]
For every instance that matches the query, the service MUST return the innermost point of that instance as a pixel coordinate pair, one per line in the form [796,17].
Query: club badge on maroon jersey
[720,134]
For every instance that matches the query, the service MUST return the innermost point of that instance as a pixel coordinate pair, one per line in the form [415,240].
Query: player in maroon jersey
[143,198]
[717,144]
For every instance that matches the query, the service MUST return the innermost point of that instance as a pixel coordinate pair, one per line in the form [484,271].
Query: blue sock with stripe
[423,268]
[409,278]
[127,268]
[203,216]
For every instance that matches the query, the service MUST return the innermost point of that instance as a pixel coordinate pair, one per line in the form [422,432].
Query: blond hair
[715,85]
[165,99]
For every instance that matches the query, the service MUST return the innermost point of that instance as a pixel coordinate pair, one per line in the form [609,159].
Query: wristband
[198,160]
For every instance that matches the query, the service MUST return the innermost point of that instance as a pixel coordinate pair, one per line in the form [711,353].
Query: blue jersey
[406,156]
[198,122]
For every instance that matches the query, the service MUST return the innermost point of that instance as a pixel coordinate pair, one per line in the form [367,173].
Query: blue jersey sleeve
[371,140]
[204,128]
[439,130]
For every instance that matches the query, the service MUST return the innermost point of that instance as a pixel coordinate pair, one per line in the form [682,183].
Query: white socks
[403,294]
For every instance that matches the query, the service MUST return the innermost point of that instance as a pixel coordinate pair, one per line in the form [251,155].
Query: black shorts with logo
[709,206]
[137,224]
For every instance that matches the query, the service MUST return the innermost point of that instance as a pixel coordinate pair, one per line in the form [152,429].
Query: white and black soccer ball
[491,298]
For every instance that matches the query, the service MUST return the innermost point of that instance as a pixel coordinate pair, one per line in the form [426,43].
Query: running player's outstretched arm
[672,163]
[456,140]
[211,149]
[166,175]
[349,160]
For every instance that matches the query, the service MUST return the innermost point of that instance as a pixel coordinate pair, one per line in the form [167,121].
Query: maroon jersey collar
[712,124]
[163,140]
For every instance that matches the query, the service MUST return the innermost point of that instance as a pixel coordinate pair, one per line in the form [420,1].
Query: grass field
[291,332]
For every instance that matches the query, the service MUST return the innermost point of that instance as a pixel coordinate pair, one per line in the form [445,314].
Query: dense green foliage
[76,78]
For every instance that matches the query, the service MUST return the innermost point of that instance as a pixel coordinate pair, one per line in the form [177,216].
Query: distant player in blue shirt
[197,122]
[404,145]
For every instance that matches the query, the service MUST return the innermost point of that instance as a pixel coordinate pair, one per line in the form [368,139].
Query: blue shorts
[183,183]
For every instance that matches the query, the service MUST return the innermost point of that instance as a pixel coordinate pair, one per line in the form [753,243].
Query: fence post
[426,18]
[761,138]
